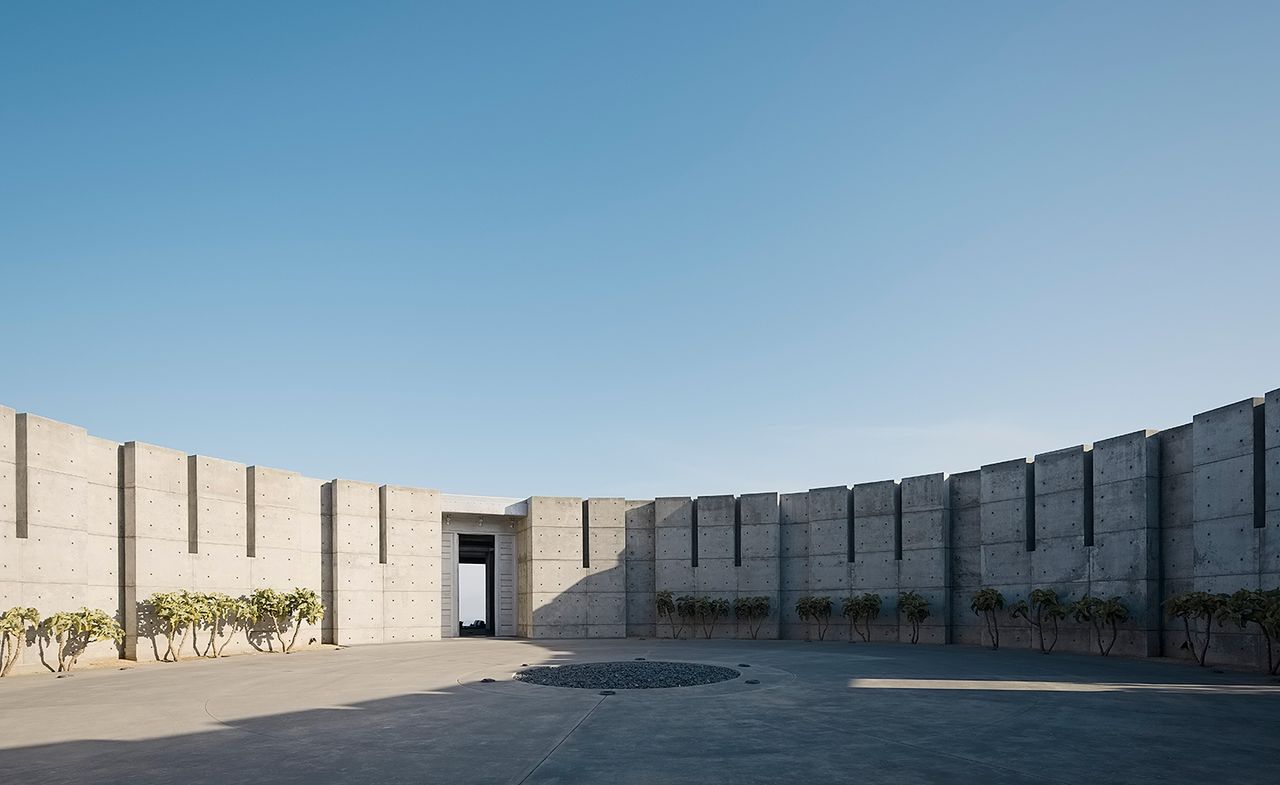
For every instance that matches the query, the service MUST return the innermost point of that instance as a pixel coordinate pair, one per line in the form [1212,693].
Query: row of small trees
[1043,612]
[689,610]
[861,610]
[175,615]
[179,614]
[1198,611]
[70,632]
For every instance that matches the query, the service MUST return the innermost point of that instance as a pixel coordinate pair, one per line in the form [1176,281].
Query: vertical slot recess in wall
[897,521]
[1088,496]
[737,531]
[382,524]
[193,505]
[1259,466]
[20,475]
[586,532]
[1029,505]
[693,531]
[121,553]
[250,512]
[848,525]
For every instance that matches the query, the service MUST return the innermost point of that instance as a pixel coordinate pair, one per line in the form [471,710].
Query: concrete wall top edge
[1012,462]
[1074,449]
[1250,401]
[1144,432]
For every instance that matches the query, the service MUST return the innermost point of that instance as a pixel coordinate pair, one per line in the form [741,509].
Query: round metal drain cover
[632,675]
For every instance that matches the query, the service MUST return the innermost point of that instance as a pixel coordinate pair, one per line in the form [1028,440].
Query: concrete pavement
[418,713]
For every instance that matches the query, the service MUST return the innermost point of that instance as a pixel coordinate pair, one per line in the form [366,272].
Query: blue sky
[652,249]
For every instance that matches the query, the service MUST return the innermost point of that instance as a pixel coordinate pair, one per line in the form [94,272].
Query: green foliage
[816,609]
[282,610]
[710,611]
[73,631]
[666,606]
[864,608]
[177,612]
[1045,610]
[915,607]
[989,602]
[687,609]
[224,613]
[304,606]
[15,624]
[753,611]
[1251,606]
[1101,614]
[1197,608]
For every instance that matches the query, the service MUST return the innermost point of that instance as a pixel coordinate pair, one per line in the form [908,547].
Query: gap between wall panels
[1259,466]
[586,532]
[737,531]
[20,476]
[848,525]
[193,505]
[1029,505]
[250,513]
[382,524]
[693,533]
[897,521]
[1088,497]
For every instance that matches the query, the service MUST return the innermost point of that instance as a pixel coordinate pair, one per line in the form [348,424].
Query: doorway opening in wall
[475,585]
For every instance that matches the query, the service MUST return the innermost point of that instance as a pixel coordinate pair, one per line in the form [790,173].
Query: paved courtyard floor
[821,712]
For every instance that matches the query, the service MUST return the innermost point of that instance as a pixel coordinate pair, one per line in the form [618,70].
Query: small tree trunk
[225,641]
[1053,641]
[176,652]
[12,656]
[1204,651]
[279,635]
[1114,632]
[297,627]
[1191,643]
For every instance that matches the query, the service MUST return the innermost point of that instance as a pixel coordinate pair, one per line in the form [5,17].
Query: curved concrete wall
[86,521]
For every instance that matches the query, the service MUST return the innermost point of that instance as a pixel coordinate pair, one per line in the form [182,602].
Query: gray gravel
[627,675]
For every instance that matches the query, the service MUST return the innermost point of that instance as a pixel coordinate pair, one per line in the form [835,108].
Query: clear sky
[636,249]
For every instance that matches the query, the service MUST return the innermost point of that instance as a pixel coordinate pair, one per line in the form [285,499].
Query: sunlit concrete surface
[821,712]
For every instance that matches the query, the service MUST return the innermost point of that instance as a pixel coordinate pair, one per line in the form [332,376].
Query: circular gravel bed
[627,675]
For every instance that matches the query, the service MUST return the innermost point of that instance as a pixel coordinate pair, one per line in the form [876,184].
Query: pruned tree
[864,608]
[710,612]
[15,624]
[270,607]
[1201,607]
[1102,615]
[226,613]
[687,608]
[753,611]
[301,606]
[1045,610]
[1251,606]
[178,612]
[915,607]
[818,610]
[73,631]
[666,606]
[988,602]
